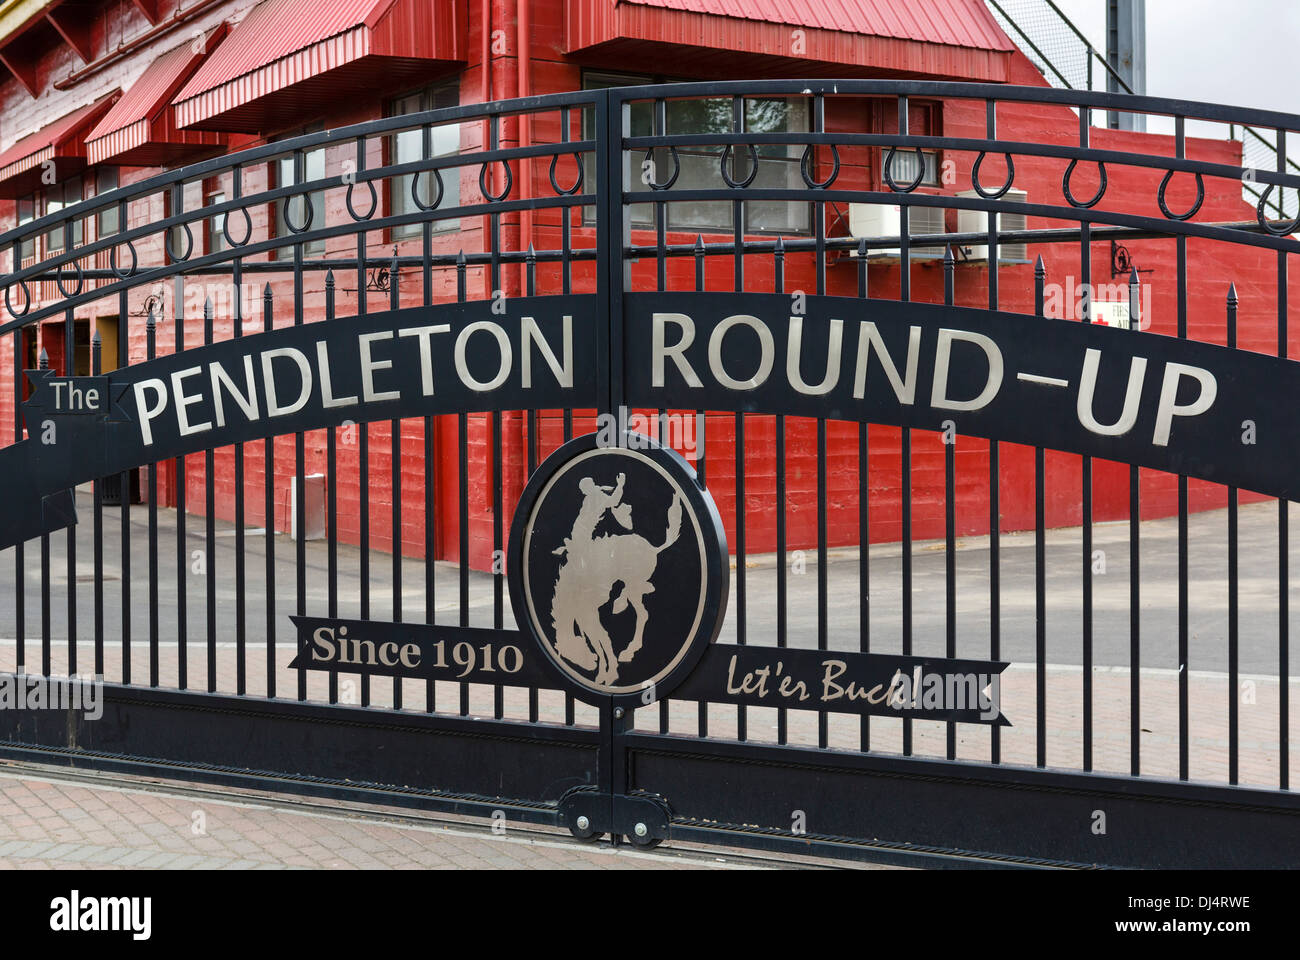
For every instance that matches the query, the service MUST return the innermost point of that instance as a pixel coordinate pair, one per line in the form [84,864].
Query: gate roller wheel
[643,837]
[582,829]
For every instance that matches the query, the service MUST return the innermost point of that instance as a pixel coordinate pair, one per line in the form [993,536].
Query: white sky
[1244,53]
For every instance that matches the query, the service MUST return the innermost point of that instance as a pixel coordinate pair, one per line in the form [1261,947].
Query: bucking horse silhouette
[592,566]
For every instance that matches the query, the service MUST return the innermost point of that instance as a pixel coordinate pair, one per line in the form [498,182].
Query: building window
[56,199]
[408,147]
[313,169]
[778,164]
[905,165]
[106,180]
[216,223]
[26,214]
[924,119]
[642,118]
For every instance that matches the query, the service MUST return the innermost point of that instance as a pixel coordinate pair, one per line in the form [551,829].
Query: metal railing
[1068,60]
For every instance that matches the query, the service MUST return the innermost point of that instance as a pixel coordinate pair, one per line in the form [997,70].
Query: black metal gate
[451,349]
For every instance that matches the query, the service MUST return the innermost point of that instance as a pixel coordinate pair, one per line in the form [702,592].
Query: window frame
[316,198]
[27,246]
[924,119]
[100,229]
[633,79]
[71,233]
[428,96]
[214,239]
[931,178]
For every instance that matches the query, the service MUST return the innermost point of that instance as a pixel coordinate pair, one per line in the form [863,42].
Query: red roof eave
[284,43]
[938,38]
[62,140]
[139,127]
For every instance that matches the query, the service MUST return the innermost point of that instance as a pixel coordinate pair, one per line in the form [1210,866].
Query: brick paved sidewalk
[58,819]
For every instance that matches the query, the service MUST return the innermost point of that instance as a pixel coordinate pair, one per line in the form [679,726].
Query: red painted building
[100,94]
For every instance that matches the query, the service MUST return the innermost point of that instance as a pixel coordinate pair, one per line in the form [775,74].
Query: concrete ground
[60,819]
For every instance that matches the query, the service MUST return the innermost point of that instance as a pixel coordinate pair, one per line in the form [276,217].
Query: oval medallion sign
[617,562]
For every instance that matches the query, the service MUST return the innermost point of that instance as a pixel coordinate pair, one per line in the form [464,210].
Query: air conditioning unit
[876,220]
[976,221]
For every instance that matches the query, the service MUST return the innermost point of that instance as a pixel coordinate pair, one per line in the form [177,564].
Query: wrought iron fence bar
[462,491]
[268,472]
[241,545]
[1157,228]
[299,438]
[494,422]
[864,528]
[660,127]
[1134,573]
[1040,606]
[70,549]
[124,498]
[331,509]
[1234,692]
[44,364]
[946,90]
[210,528]
[151,343]
[738,284]
[363,441]
[532,426]
[782,566]
[395,482]
[1130,227]
[957,240]
[702,709]
[97,515]
[714,142]
[182,557]
[995,236]
[637,251]
[1283,531]
[20,566]
[905,480]
[950,518]
[1184,734]
[819,268]
[1085,275]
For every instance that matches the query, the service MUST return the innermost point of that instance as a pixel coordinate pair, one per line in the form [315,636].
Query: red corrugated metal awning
[140,129]
[953,39]
[62,142]
[289,60]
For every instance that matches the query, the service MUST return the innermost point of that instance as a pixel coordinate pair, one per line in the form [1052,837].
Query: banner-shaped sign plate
[1177,405]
